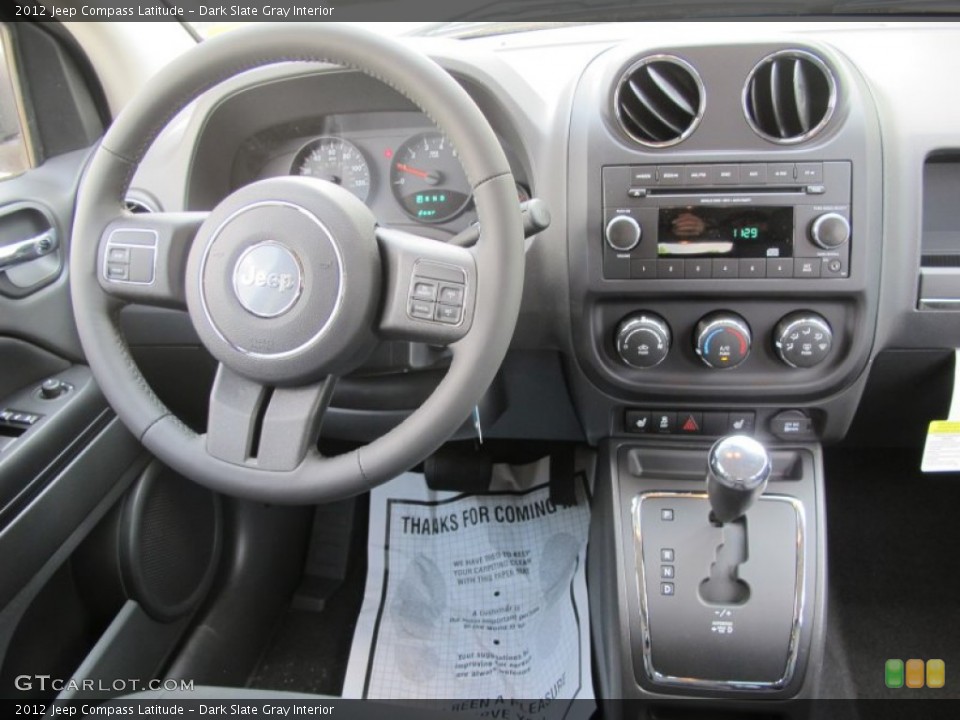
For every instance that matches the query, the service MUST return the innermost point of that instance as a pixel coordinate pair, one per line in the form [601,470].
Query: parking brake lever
[535,216]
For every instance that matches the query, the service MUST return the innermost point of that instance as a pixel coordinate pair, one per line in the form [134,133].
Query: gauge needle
[431,178]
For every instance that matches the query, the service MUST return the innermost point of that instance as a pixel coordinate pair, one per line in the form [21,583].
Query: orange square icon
[915,672]
[936,673]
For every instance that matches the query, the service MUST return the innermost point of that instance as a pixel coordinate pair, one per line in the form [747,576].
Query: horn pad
[283,281]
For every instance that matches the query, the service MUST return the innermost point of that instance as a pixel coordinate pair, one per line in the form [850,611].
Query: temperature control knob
[722,340]
[622,233]
[830,230]
[803,340]
[643,341]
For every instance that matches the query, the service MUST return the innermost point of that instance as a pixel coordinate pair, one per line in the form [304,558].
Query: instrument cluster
[397,163]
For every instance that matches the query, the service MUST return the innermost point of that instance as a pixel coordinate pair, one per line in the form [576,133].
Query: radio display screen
[738,232]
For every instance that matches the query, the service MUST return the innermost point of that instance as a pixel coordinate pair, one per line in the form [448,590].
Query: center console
[724,245]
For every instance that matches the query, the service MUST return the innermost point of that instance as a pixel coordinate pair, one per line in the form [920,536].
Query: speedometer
[335,160]
[427,179]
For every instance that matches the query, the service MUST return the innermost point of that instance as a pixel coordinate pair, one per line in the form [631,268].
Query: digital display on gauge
[742,232]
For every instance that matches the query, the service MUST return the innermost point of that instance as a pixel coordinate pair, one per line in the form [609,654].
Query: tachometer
[427,179]
[336,160]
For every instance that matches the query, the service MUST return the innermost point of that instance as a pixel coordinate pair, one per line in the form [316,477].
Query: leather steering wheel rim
[499,260]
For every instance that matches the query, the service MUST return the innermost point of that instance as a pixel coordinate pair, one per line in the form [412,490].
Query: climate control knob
[622,233]
[803,339]
[722,340]
[830,230]
[643,340]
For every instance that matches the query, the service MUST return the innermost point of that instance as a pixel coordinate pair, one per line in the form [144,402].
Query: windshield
[521,15]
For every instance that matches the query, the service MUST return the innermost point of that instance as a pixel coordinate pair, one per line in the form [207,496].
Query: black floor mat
[894,568]
[309,651]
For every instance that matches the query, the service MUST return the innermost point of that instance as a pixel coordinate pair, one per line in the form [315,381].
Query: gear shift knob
[738,468]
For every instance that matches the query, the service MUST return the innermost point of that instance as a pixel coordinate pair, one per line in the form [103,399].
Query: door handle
[29,249]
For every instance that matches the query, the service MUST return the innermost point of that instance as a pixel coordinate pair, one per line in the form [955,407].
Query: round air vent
[789,96]
[659,101]
[138,206]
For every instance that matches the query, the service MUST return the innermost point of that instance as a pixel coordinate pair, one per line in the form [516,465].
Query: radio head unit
[726,221]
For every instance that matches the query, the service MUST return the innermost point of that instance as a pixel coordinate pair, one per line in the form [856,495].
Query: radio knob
[623,233]
[803,340]
[830,230]
[643,341]
[722,340]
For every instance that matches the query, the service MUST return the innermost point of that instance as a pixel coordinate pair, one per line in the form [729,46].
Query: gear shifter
[738,468]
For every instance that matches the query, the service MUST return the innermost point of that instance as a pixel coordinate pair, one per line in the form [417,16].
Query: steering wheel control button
[267,279]
[424,290]
[830,230]
[643,341]
[623,233]
[803,340]
[449,314]
[437,293]
[792,425]
[451,295]
[722,340]
[422,310]
[131,256]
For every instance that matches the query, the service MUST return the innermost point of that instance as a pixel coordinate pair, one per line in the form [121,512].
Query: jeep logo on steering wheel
[267,279]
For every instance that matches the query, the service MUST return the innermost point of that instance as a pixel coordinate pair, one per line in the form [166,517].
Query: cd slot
[739,190]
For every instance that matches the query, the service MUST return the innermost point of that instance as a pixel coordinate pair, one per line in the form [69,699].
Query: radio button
[637,192]
[830,230]
[753,174]
[753,268]
[779,267]
[833,267]
[726,269]
[810,172]
[643,269]
[725,174]
[615,266]
[622,233]
[806,267]
[781,173]
[670,174]
[696,175]
[697,268]
[644,175]
[667,269]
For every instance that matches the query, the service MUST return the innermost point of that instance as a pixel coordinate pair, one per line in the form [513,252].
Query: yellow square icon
[936,673]
[914,673]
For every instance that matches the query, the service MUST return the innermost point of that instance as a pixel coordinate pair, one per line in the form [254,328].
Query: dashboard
[741,223]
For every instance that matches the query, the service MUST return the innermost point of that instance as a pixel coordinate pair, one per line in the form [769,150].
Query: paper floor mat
[476,596]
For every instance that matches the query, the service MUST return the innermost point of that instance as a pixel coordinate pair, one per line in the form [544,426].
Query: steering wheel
[289,282]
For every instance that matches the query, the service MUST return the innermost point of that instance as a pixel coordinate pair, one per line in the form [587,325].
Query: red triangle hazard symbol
[690,425]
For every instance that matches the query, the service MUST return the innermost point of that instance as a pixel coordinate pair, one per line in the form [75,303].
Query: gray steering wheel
[289,282]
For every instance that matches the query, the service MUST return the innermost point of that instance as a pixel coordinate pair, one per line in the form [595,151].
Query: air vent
[137,206]
[789,97]
[659,101]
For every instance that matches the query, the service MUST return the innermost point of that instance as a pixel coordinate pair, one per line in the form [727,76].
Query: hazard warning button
[690,423]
